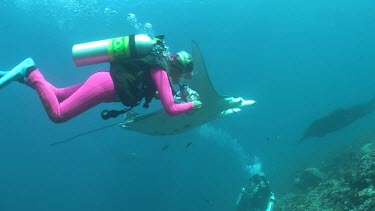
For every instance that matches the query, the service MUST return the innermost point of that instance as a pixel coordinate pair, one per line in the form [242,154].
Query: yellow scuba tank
[132,46]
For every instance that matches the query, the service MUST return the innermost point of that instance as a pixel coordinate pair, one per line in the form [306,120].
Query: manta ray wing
[214,107]
[201,82]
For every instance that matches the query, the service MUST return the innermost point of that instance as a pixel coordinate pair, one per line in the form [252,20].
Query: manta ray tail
[85,133]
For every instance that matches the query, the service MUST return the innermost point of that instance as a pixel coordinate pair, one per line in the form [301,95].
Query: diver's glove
[197,104]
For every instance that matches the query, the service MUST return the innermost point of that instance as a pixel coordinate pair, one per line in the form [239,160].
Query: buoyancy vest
[132,78]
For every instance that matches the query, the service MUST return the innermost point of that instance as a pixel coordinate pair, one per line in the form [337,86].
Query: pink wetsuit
[62,104]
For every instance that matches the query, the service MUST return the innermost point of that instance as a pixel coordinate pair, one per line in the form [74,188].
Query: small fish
[165,147]
[188,144]
[210,202]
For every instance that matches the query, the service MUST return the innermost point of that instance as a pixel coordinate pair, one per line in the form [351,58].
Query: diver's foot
[18,73]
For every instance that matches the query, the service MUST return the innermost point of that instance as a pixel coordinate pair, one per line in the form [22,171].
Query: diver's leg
[19,73]
[97,89]
[64,93]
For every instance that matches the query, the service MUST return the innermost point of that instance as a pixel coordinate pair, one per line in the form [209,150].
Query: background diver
[256,195]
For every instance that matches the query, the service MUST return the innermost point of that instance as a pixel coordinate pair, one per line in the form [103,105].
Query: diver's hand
[193,95]
[197,104]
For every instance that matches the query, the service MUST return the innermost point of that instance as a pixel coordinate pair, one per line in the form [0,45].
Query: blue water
[298,59]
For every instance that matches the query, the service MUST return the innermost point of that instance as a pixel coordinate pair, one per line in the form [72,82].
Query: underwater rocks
[310,177]
[345,185]
[368,160]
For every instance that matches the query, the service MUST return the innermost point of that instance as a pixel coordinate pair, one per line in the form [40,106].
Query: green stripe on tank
[118,48]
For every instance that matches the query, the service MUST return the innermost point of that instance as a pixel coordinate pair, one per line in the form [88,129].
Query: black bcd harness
[133,82]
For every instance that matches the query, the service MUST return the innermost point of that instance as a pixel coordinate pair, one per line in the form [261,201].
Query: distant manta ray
[214,107]
[338,119]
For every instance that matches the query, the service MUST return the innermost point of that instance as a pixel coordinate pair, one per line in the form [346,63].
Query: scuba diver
[256,195]
[140,68]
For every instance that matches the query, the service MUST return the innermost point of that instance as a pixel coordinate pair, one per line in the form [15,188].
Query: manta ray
[214,106]
[338,119]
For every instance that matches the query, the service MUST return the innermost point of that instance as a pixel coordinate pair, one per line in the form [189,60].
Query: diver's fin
[17,73]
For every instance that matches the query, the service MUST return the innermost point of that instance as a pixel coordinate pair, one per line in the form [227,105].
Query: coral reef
[310,177]
[346,183]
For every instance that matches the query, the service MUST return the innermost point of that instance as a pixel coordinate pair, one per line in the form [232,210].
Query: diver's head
[180,65]
[255,178]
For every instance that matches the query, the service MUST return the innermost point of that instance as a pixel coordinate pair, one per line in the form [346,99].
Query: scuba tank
[271,202]
[132,46]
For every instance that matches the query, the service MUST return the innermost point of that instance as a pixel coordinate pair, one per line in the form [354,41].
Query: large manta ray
[214,107]
[337,120]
